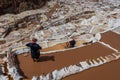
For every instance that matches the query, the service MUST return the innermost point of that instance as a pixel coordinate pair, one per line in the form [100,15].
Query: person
[72,43]
[35,49]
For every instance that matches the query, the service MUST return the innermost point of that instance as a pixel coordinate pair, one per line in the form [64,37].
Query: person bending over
[72,43]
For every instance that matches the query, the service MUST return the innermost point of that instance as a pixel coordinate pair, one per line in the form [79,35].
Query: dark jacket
[72,43]
[34,47]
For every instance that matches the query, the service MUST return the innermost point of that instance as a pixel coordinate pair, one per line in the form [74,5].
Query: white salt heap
[61,31]
[70,19]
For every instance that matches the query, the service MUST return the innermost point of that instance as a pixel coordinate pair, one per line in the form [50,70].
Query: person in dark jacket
[35,49]
[72,43]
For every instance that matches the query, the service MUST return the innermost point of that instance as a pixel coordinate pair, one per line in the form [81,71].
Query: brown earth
[61,59]
[109,71]
[112,39]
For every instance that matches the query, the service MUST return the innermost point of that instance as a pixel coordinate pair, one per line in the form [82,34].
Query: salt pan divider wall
[12,65]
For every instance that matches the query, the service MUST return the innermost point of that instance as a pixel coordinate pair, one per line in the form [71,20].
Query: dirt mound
[16,6]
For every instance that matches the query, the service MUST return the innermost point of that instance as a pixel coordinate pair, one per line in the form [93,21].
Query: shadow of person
[46,58]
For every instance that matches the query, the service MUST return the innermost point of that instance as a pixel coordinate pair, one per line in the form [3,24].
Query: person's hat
[34,39]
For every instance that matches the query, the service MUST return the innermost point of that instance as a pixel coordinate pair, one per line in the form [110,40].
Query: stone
[2,41]
[2,30]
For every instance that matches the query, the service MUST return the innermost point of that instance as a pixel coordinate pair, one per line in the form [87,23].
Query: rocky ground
[17,6]
[68,19]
